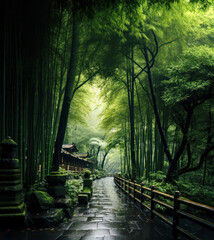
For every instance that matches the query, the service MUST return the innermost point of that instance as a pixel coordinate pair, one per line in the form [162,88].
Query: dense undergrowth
[74,183]
[191,190]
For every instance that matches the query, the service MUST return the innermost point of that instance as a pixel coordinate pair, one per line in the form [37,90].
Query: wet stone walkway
[110,215]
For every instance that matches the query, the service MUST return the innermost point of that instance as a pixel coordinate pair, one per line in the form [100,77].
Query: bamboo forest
[101,97]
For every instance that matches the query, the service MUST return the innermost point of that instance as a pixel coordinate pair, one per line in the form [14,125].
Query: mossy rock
[48,218]
[41,201]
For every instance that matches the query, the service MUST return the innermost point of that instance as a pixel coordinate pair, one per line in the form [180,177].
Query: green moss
[41,201]
[45,196]
[12,215]
[57,173]
[8,141]
[87,174]
[87,190]
[9,171]
[12,209]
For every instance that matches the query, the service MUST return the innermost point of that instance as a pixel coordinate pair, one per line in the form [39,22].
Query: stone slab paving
[110,215]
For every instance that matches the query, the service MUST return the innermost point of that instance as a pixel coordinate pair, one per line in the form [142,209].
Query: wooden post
[141,196]
[152,202]
[134,194]
[121,183]
[176,215]
[129,187]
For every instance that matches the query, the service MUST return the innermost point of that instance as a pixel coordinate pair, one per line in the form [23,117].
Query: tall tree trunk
[157,117]
[131,117]
[68,94]
[104,158]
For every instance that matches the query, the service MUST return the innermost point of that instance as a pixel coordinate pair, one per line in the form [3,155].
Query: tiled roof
[75,156]
[70,147]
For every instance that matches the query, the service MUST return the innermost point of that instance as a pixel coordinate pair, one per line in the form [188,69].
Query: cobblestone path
[110,215]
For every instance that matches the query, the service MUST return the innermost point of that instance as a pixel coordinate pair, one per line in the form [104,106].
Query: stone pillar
[88,184]
[57,189]
[12,207]
[56,184]
[86,193]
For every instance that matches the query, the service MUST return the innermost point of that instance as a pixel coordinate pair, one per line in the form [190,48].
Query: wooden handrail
[137,192]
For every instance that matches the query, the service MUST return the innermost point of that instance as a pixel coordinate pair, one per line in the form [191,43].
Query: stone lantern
[12,207]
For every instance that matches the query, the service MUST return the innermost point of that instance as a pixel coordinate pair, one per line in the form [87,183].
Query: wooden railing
[149,197]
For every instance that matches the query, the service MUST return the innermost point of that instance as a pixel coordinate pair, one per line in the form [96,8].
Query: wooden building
[73,161]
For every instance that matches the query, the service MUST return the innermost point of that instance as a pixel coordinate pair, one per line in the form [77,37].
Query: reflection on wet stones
[110,215]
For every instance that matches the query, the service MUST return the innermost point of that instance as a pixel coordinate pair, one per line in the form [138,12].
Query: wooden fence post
[141,195]
[124,185]
[152,202]
[129,187]
[134,193]
[176,215]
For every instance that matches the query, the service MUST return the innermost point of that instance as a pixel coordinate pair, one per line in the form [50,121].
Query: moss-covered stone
[87,190]
[41,201]
[10,174]
[8,141]
[87,174]
[56,179]
[48,218]
[9,163]
[87,182]
[10,190]
[83,199]
[8,147]
[12,209]
[10,183]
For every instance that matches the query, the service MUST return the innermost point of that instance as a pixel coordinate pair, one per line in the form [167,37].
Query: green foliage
[196,192]
[74,187]
[190,190]
[190,77]
[98,173]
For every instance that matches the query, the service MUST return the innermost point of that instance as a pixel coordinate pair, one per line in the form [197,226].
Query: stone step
[12,209]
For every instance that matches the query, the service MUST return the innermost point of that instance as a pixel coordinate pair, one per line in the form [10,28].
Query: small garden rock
[41,201]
